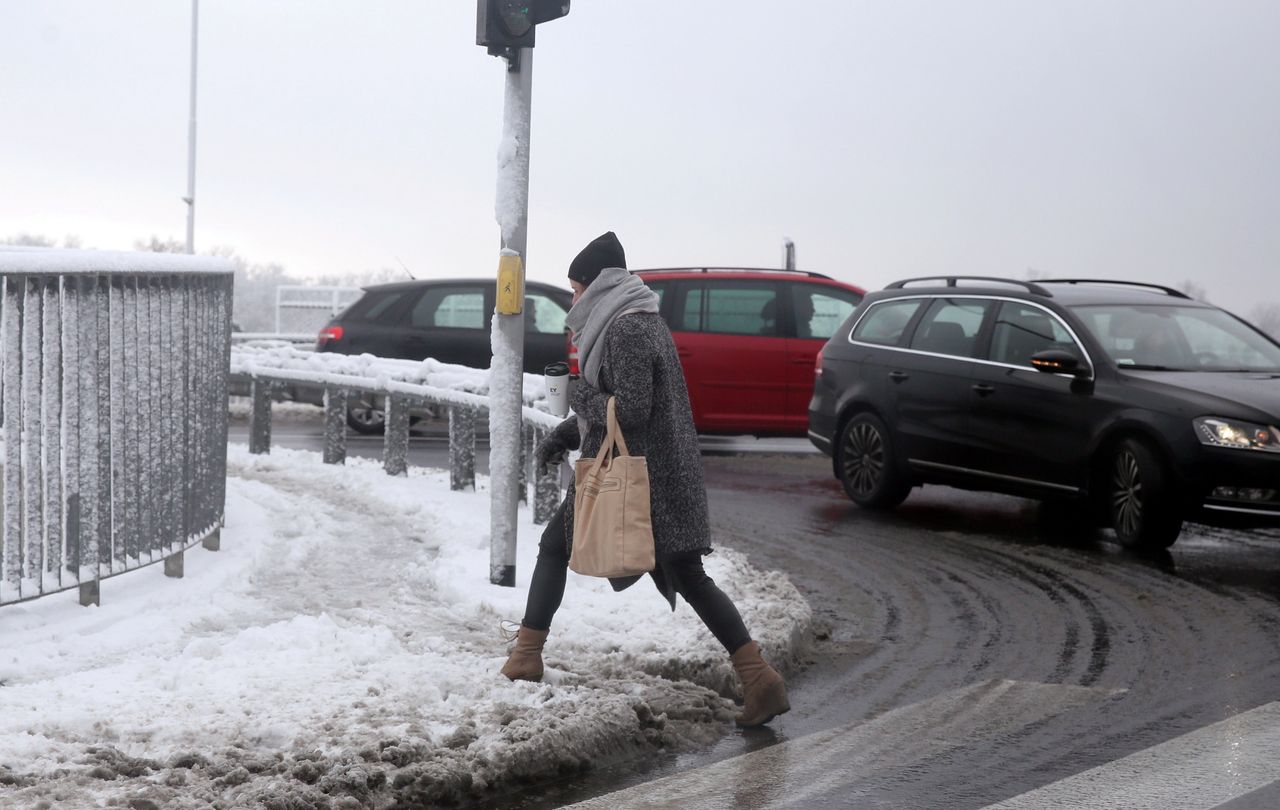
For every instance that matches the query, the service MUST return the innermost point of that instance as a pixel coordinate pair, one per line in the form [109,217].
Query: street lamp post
[190,199]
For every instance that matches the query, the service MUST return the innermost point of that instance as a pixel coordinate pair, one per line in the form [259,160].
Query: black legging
[546,589]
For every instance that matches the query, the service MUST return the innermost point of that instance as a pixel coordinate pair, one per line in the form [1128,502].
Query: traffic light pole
[506,376]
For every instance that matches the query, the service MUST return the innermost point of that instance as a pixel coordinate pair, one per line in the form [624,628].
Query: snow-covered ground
[342,651]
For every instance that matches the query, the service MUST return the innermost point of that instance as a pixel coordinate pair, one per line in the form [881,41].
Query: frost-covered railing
[405,386]
[113,399]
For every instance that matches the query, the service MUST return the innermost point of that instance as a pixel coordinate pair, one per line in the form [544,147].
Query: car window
[449,307]
[819,310]
[376,307]
[1021,330]
[689,319]
[730,308]
[543,314]
[1178,337]
[950,326]
[884,322]
[659,287]
[740,308]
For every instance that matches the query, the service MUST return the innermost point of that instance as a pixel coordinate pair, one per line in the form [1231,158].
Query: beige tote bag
[612,530]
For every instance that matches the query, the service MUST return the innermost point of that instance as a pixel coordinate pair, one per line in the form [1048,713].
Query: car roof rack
[1166,290]
[730,270]
[1030,286]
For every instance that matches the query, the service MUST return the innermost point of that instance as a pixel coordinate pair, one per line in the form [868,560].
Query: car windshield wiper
[1148,367]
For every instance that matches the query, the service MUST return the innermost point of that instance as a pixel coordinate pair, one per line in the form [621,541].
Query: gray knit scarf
[614,292]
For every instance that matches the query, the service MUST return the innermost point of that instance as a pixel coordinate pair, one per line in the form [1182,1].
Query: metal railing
[307,307]
[113,396]
[402,387]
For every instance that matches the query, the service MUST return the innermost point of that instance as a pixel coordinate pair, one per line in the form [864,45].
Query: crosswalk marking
[798,773]
[1203,769]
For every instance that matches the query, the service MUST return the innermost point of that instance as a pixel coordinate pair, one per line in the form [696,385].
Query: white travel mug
[557,379]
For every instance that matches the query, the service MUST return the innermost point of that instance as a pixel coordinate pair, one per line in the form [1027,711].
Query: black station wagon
[448,320]
[1134,400]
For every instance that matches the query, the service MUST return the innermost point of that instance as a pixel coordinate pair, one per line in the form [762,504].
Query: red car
[748,339]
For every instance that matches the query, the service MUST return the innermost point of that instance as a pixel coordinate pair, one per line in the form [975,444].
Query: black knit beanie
[603,251]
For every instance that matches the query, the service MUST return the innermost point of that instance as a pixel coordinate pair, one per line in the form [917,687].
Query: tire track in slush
[956,588]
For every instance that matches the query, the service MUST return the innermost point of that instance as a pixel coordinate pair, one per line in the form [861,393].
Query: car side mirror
[1057,361]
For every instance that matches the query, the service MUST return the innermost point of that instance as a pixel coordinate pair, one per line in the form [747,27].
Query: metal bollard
[260,416]
[335,425]
[462,447]
[395,452]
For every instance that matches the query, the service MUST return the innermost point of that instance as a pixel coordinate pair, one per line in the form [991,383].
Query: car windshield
[1178,338]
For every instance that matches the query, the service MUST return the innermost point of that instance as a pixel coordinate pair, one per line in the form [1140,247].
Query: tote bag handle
[612,437]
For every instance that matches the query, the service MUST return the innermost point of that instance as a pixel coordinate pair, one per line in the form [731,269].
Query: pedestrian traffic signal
[511,24]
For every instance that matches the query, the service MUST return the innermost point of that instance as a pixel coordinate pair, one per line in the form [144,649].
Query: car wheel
[369,421]
[867,465]
[1141,504]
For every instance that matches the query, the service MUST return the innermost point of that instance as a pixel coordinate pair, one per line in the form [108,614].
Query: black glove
[550,453]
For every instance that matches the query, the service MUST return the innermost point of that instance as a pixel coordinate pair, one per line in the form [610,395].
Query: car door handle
[982,389]
[898,376]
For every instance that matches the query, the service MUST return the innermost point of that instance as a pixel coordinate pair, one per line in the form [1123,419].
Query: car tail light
[817,365]
[329,334]
[573,354]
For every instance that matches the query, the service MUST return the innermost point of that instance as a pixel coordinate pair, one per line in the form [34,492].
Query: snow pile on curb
[342,651]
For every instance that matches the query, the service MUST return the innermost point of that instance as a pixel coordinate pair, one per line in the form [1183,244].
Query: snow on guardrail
[445,383]
[399,386]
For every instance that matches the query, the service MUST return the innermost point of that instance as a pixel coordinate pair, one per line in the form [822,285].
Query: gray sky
[1091,138]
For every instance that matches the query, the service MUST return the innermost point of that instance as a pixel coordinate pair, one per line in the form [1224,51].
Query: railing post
[395,450]
[90,593]
[462,447]
[335,425]
[260,416]
[11,520]
[173,565]
[546,487]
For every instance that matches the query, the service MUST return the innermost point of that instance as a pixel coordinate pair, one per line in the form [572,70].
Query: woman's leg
[546,587]
[764,694]
[716,610]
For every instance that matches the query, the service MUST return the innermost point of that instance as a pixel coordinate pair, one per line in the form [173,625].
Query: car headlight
[1222,432]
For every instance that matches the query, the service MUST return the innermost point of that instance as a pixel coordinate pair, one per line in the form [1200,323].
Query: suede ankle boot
[764,695]
[525,661]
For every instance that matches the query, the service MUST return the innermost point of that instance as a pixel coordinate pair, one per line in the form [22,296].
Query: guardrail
[403,386]
[113,399]
[295,338]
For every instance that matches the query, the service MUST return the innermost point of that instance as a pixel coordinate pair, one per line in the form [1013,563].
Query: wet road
[972,648]
[1074,652]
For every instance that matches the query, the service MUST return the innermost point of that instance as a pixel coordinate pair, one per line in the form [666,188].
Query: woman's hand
[550,452]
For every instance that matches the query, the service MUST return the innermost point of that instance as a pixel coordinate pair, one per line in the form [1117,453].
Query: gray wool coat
[641,368]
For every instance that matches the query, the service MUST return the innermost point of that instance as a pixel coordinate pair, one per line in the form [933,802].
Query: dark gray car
[1133,401]
[447,320]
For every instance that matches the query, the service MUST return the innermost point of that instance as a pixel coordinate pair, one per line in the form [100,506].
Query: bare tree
[1267,318]
[1194,290]
[40,240]
[157,245]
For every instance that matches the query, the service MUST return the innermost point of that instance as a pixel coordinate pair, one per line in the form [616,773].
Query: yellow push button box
[510,298]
